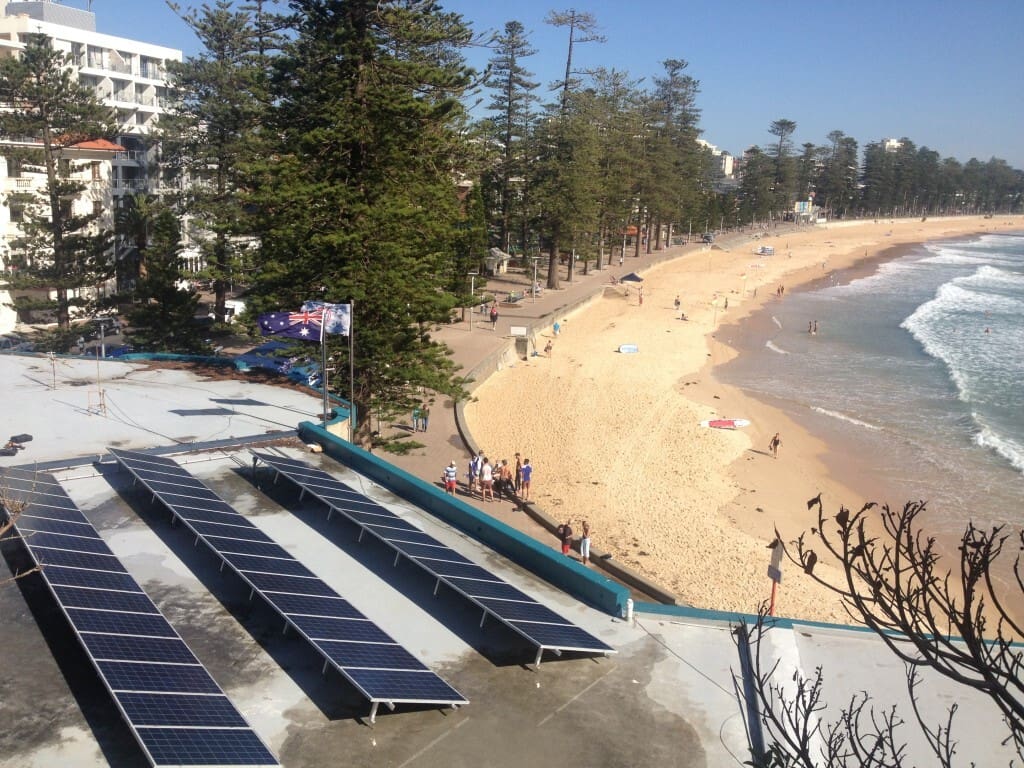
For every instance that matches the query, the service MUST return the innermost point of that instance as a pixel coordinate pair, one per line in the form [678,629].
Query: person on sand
[450,476]
[585,543]
[548,347]
[774,444]
[527,473]
[677,303]
[518,474]
[565,534]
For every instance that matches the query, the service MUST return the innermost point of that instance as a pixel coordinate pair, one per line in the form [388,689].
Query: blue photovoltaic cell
[144,676]
[413,536]
[163,477]
[516,611]
[169,650]
[462,570]
[72,543]
[407,685]
[496,589]
[288,585]
[205,746]
[268,565]
[77,559]
[208,516]
[151,624]
[230,531]
[104,599]
[180,709]
[50,525]
[78,577]
[564,636]
[266,582]
[121,629]
[370,655]
[422,550]
[545,627]
[313,606]
[320,628]
[241,547]
[193,502]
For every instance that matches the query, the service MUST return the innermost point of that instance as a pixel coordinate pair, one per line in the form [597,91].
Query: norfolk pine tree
[214,128]
[60,251]
[511,106]
[164,320]
[358,199]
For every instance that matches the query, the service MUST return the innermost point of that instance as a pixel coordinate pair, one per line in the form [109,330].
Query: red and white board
[726,423]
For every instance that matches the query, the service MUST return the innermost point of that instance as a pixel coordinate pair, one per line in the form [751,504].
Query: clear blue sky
[949,75]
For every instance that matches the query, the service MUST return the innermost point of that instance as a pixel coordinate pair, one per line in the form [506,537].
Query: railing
[130,154]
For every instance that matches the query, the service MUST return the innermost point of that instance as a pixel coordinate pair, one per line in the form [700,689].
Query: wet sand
[616,437]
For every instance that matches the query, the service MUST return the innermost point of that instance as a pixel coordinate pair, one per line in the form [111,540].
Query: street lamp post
[472,294]
[533,288]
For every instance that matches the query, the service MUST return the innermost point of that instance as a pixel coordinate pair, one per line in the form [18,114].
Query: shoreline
[615,437]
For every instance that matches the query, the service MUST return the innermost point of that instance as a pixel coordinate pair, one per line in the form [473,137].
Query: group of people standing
[420,417]
[501,477]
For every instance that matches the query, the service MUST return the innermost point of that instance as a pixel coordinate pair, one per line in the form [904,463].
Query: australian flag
[336,318]
[293,325]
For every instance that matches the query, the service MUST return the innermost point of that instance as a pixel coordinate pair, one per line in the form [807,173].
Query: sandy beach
[616,438]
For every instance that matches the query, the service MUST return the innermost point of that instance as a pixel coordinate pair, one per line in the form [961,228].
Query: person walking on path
[518,475]
[494,316]
[565,533]
[774,444]
[424,416]
[527,473]
[585,543]
[416,418]
[450,476]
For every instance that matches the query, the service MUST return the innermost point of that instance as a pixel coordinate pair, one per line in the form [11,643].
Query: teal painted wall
[583,583]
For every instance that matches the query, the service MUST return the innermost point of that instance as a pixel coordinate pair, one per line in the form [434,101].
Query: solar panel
[340,633]
[543,627]
[178,714]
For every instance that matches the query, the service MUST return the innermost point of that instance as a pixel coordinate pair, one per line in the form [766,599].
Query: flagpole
[351,370]
[323,360]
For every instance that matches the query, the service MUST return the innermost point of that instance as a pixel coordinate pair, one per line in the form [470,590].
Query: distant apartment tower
[725,160]
[127,75]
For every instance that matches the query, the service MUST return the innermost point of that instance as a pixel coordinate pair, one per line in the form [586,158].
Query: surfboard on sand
[726,423]
[629,349]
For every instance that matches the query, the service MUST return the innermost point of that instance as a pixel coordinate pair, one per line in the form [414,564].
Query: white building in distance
[128,75]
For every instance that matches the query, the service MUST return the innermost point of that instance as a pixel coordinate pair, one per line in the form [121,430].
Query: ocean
[915,374]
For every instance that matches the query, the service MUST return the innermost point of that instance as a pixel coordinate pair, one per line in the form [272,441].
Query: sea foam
[844,417]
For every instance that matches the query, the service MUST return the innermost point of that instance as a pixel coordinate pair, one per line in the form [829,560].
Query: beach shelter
[632,277]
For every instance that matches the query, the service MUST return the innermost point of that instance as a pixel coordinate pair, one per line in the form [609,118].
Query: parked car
[106,325]
[12,342]
[707,237]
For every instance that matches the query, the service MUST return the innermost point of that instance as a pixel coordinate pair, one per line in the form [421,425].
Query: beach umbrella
[632,277]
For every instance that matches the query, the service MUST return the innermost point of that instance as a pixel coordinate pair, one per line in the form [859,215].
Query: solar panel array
[178,714]
[543,627]
[381,669]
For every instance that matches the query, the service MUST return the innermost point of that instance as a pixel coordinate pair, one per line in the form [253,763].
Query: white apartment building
[128,75]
